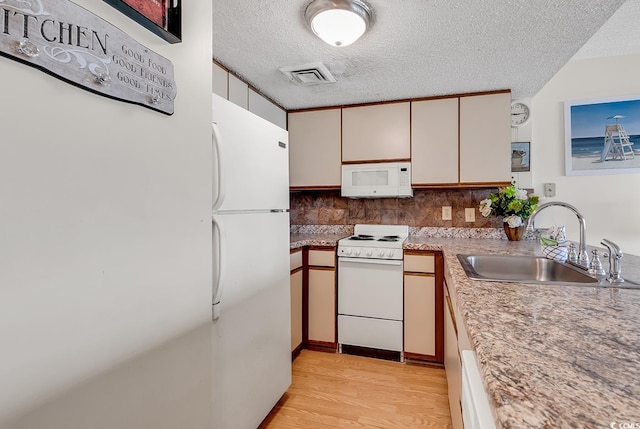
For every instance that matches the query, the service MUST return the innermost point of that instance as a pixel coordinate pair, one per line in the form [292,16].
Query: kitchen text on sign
[86,50]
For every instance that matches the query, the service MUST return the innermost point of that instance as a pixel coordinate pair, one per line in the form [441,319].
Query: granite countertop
[297,240]
[551,356]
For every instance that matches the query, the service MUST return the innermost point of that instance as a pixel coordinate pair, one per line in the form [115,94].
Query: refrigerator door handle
[218,284]
[217,147]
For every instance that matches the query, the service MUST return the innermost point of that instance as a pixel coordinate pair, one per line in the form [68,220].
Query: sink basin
[522,269]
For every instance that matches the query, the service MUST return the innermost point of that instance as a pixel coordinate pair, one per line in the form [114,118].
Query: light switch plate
[469,215]
[549,189]
[446,212]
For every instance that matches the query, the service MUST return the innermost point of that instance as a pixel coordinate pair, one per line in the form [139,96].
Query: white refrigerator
[251,314]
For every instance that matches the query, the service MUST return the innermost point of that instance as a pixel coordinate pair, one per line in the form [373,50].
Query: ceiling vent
[308,74]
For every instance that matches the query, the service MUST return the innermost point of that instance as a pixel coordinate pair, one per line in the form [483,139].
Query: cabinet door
[376,133]
[452,364]
[296,309]
[434,141]
[485,138]
[322,305]
[420,314]
[314,148]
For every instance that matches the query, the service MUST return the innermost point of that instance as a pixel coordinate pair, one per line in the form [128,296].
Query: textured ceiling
[415,48]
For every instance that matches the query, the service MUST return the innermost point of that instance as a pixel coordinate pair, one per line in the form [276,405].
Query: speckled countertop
[552,356]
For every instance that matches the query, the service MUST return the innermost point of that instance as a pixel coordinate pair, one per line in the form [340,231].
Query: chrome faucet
[583,257]
[615,267]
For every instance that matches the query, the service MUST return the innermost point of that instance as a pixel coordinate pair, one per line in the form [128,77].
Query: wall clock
[520,113]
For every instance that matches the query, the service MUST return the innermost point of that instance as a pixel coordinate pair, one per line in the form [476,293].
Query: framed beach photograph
[162,17]
[520,156]
[602,136]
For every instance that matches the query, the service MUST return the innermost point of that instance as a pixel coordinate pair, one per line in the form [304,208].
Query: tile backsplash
[423,210]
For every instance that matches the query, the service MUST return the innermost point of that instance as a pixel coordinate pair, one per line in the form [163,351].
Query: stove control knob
[348,251]
[357,252]
[369,252]
[380,252]
[390,253]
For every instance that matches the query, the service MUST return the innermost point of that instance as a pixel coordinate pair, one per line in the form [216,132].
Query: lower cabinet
[455,341]
[297,271]
[322,308]
[452,364]
[423,315]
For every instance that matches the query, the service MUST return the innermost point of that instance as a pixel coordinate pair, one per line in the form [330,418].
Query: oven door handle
[371,261]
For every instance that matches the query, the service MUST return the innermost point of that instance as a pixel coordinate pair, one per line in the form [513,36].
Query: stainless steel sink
[522,269]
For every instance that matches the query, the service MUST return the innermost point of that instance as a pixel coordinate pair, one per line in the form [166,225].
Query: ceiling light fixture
[338,22]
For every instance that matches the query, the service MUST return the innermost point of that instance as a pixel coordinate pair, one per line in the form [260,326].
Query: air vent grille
[308,74]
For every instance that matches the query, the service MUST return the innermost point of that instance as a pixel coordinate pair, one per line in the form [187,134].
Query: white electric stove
[374,242]
[370,288]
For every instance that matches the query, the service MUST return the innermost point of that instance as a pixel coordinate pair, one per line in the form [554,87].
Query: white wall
[105,294]
[610,203]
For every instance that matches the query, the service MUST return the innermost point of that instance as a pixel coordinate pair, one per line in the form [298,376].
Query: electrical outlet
[446,212]
[469,215]
[549,189]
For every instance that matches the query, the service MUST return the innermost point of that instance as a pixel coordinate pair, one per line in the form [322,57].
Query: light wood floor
[341,391]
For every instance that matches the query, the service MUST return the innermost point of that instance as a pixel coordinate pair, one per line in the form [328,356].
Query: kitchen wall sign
[161,17]
[69,42]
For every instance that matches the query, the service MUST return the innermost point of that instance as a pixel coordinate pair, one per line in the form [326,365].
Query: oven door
[370,288]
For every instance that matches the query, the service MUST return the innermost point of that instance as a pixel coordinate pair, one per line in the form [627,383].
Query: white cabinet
[322,297]
[423,332]
[296,279]
[220,81]
[452,363]
[314,148]
[485,138]
[379,132]
[434,141]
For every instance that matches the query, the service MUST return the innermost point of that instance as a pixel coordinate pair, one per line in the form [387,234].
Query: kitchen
[106,235]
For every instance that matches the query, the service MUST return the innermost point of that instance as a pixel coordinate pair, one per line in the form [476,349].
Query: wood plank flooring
[332,390]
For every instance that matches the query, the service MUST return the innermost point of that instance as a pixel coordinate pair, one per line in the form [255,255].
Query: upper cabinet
[434,141]
[453,141]
[378,132]
[314,148]
[485,138]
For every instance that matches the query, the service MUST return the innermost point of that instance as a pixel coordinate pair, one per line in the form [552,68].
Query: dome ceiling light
[338,22]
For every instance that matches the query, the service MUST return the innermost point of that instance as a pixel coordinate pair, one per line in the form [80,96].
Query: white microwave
[380,180]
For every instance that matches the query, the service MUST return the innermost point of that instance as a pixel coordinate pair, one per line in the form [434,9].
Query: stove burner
[363,237]
[389,238]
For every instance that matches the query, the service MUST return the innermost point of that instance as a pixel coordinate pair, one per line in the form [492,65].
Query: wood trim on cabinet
[421,357]
[322,345]
[321,268]
[314,188]
[295,270]
[296,351]
[419,274]
[376,161]
[439,265]
[484,184]
[305,296]
[420,252]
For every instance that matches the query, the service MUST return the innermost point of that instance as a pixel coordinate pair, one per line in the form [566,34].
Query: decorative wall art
[602,136]
[161,17]
[69,42]
[520,156]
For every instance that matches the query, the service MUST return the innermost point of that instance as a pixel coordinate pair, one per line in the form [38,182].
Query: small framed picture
[520,156]
[161,17]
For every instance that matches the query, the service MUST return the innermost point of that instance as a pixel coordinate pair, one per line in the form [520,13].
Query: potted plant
[513,205]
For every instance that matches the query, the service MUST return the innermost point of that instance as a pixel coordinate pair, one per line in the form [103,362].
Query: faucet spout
[583,257]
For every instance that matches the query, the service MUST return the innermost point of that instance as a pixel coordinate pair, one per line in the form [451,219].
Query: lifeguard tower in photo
[616,142]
